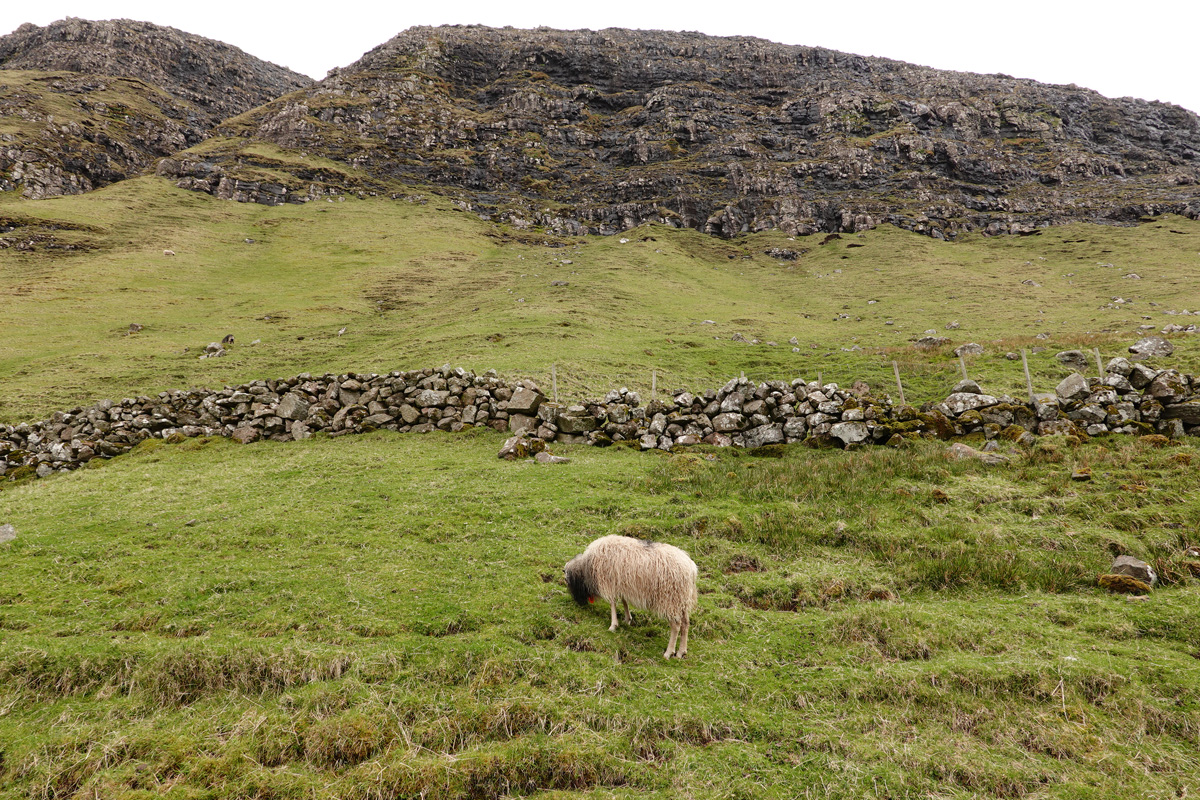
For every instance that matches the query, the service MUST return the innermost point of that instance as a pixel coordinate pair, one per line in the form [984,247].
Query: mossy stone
[939,424]
[1124,584]
[22,472]
[1012,433]
[970,419]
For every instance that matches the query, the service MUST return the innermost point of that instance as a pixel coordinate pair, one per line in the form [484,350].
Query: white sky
[1145,50]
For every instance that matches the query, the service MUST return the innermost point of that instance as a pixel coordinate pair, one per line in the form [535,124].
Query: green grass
[419,285]
[384,614]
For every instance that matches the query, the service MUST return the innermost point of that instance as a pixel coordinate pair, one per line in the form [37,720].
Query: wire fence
[902,379]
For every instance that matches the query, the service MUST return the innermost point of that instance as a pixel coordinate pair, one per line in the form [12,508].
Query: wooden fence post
[899,385]
[1028,380]
[554,380]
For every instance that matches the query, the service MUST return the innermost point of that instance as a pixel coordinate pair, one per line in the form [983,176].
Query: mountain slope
[218,80]
[68,133]
[586,131]
[87,103]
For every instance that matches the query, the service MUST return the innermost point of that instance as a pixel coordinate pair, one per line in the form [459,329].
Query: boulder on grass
[1152,346]
[1134,568]
[1073,359]
[520,447]
[958,450]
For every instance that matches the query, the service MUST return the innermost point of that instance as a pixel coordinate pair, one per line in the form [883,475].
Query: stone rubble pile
[1132,398]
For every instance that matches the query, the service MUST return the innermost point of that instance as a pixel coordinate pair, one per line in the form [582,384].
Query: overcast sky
[1145,50]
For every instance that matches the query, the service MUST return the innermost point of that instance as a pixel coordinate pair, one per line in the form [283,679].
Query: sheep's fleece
[657,577]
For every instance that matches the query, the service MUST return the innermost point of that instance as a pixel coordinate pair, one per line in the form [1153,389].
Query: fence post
[1028,380]
[653,383]
[963,365]
[899,385]
[1099,365]
[554,380]
[819,381]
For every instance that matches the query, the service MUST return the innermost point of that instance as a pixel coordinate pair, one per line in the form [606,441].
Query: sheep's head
[578,580]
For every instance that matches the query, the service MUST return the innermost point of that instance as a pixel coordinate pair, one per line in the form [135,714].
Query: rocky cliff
[584,131]
[84,104]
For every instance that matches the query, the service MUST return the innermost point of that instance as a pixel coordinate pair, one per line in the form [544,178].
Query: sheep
[653,576]
[168,252]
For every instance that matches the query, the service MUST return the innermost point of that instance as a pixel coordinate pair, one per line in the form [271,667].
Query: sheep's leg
[628,618]
[682,651]
[612,605]
[671,641]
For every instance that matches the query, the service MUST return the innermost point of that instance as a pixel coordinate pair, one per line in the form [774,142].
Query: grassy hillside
[418,285]
[383,615]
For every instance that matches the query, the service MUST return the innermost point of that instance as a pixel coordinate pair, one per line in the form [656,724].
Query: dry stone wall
[1132,398]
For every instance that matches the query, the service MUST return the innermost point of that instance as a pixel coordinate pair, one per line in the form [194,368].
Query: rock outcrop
[215,79]
[84,104]
[596,132]
[66,133]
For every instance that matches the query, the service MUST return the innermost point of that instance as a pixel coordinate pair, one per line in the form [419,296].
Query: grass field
[419,285]
[383,615]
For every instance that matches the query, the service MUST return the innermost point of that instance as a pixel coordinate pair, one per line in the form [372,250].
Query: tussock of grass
[183,677]
[53,675]
[176,678]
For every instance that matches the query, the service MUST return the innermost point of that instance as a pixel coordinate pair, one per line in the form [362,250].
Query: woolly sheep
[657,577]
